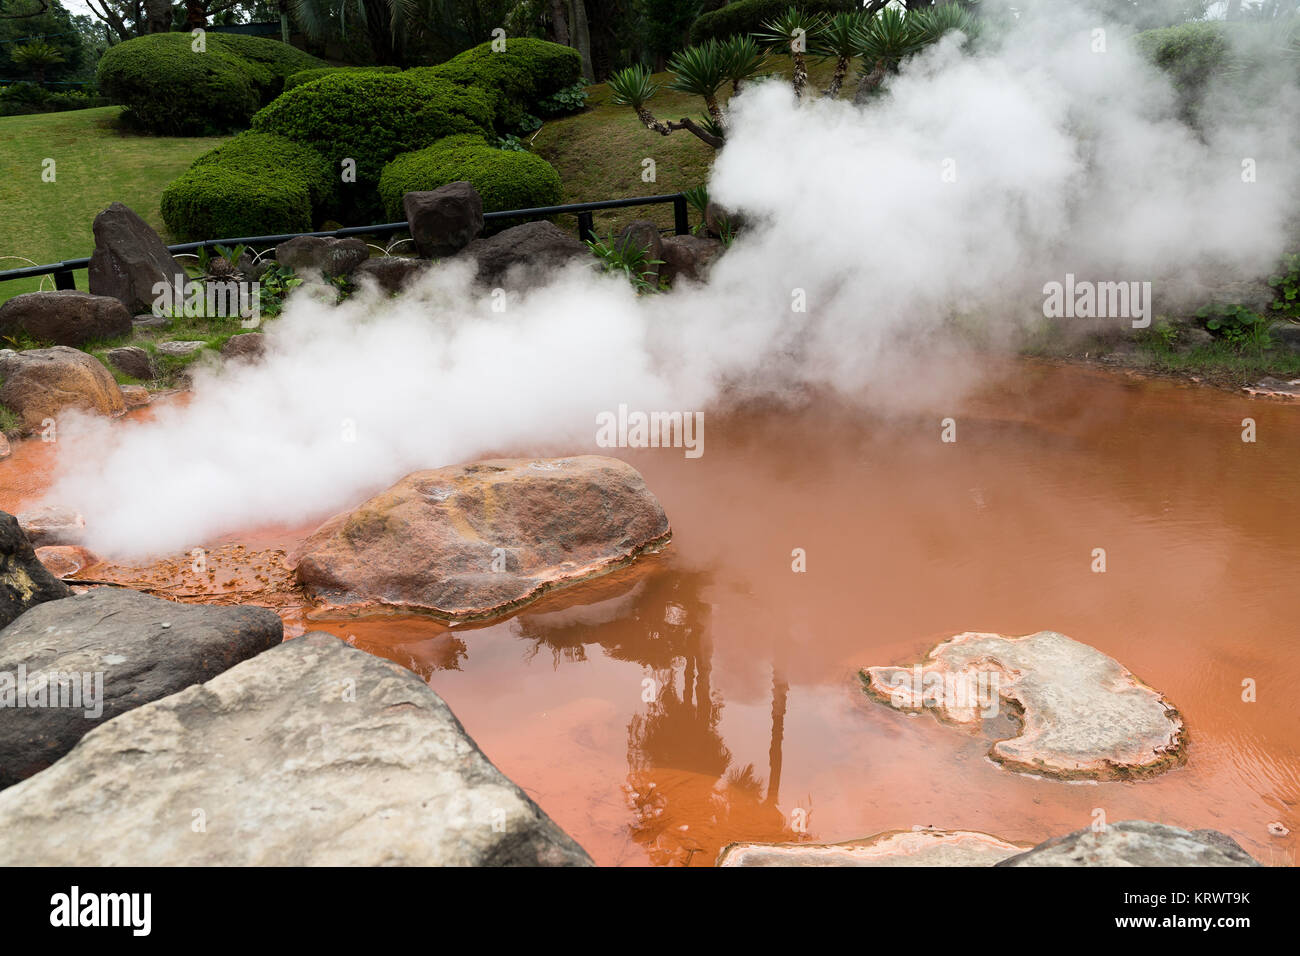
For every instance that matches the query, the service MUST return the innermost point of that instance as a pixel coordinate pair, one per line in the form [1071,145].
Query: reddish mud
[756,727]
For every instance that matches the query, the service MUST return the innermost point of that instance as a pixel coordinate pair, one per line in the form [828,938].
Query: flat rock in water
[1275,388]
[63,560]
[135,396]
[894,848]
[143,648]
[24,581]
[312,753]
[476,541]
[52,524]
[1083,715]
[1136,843]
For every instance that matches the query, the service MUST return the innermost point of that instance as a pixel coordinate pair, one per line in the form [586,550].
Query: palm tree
[36,56]
[794,32]
[838,39]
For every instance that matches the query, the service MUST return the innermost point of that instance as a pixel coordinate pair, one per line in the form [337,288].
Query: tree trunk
[158,14]
[196,14]
[582,38]
[559,23]
[284,21]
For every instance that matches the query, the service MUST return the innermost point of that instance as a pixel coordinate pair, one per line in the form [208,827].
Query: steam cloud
[1065,160]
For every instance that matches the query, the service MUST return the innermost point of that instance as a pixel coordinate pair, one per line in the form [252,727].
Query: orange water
[756,727]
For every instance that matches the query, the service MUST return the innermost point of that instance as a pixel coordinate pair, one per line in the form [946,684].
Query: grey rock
[392,273]
[145,648]
[927,847]
[129,260]
[445,220]
[1286,334]
[322,254]
[524,255]
[718,220]
[132,360]
[247,347]
[24,581]
[52,524]
[1136,843]
[312,753]
[65,317]
[179,349]
[689,257]
[150,321]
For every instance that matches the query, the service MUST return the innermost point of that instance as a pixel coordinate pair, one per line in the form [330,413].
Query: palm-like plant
[701,70]
[793,32]
[37,56]
[744,60]
[838,39]
[929,25]
[633,87]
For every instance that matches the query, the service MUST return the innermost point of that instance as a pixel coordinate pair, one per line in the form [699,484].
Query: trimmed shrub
[256,184]
[168,88]
[506,179]
[306,76]
[518,78]
[748,16]
[372,117]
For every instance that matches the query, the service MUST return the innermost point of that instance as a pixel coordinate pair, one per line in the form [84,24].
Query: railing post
[681,219]
[586,226]
[64,279]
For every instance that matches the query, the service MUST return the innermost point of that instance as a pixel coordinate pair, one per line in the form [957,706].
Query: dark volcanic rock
[689,257]
[132,360]
[323,254]
[445,220]
[129,260]
[311,754]
[525,255]
[24,581]
[144,647]
[392,273]
[65,317]
[248,347]
[1136,843]
[643,234]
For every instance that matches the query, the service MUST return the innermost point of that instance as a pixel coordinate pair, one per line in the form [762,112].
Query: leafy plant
[571,99]
[1286,285]
[631,258]
[697,197]
[512,143]
[1238,325]
[701,71]
[273,285]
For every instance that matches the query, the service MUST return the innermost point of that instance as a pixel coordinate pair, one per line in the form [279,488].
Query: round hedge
[254,185]
[748,16]
[518,78]
[372,117]
[306,76]
[506,179]
[167,88]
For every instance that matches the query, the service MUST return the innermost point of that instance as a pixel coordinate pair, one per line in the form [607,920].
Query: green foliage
[1238,325]
[1286,286]
[779,32]
[53,26]
[506,179]
[1191,54]
[306,76]
[742,59]
[571,99]
[168,88]
[518,78]
[373,117]
[1160,337]
[748,16]
[255,184]
[699,70]
[889,38]
[273,285]
[18,99]
[630,258]
[632,87]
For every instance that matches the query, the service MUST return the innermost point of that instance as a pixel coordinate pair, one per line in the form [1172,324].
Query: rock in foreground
[24,581]
[476,541]
[524,256]
[893,848]
[39,384]
[1083,715]
[64,317]
[1136,843]
[143,647]
[313,753]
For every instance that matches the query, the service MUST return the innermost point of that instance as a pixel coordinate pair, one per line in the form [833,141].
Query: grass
[96,163]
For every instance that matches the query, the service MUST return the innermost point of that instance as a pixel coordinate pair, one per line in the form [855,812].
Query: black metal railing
[63,271]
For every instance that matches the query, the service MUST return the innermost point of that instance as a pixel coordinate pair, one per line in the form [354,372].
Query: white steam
[1065,160]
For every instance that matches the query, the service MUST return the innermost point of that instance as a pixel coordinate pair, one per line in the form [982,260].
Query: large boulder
[52,524]
[923,847]
[313,753]
[40,383]
[65,317]
[322,254]
[1136,843]
[247,347]
[525,255]
[120,649]
[688,257]
[392,273]
[24,581]
[1082,715]
[477,541]
[444,220]
[130,260]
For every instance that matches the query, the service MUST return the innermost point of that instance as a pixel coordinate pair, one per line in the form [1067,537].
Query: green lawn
[96,163]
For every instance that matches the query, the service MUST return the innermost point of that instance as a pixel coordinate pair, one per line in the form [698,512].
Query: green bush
[254,185]
[748,16]
[518,78]
[372,117]
[168,88]
[1191,54]
[506,179]
[306,76]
